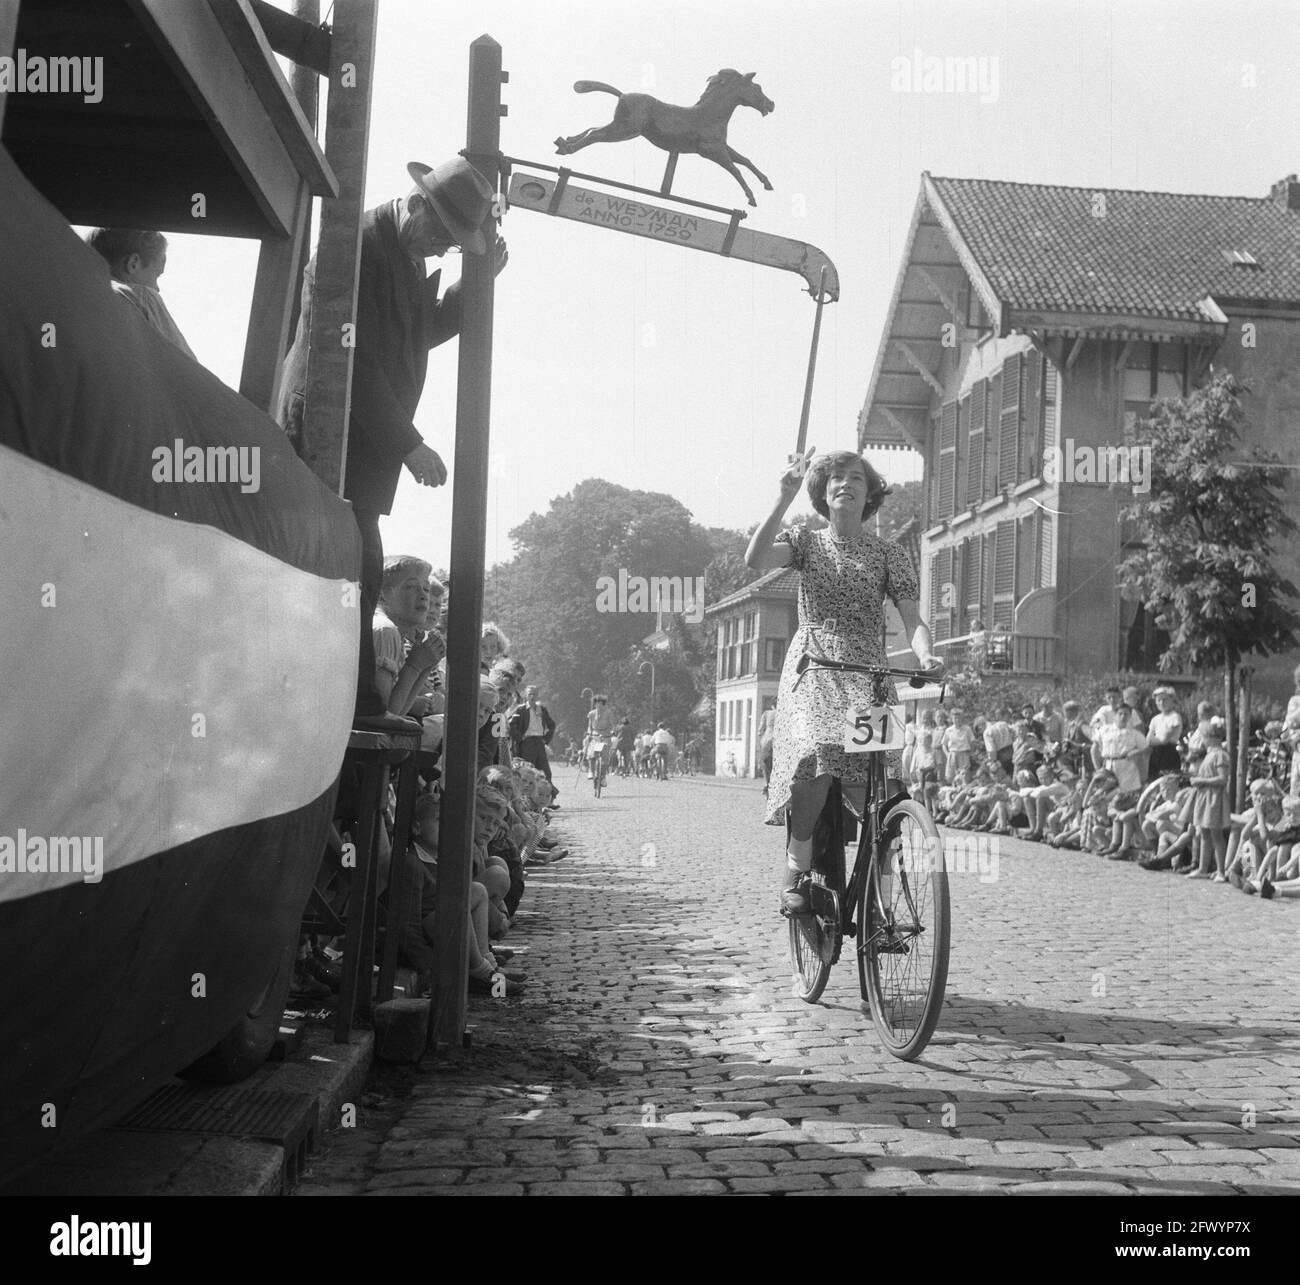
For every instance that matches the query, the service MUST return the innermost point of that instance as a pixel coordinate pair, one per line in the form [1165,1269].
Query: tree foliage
[546,598]
[1208,529]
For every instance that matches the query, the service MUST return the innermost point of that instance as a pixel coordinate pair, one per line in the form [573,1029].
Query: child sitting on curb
[1163,813]
[1096,807]
[1280,871]
[1041,799]
[416,947]
[1247,840]
[1066,816]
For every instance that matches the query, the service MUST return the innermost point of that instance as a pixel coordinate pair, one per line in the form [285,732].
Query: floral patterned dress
[842,588]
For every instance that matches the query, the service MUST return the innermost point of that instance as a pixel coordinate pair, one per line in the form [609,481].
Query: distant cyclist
[600,727]
[664,747]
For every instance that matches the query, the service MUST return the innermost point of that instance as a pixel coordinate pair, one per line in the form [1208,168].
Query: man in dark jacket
[399,318]
[531,729]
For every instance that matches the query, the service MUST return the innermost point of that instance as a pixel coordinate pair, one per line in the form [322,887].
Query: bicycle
[661,763]
[596,764]
[894,905]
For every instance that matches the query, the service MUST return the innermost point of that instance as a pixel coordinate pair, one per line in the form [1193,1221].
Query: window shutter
[960,468]
[933,596]
[992,442]
[1004,575]
[1047,550]
[932,471]
[975,449]
[972,579]
[1026,555]
[941,616]
[1009,430]
[1051,406]
[947,459]
[1031,439]
[958,614]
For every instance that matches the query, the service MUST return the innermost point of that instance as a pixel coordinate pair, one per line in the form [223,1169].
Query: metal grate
[288,1120]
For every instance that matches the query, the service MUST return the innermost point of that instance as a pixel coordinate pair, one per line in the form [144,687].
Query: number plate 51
[878,727]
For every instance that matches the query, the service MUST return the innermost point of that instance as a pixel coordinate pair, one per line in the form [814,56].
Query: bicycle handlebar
[809,660]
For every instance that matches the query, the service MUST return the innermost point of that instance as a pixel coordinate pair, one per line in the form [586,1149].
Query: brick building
[1029,320]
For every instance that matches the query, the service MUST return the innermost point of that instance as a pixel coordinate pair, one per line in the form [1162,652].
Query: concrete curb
[129,1162]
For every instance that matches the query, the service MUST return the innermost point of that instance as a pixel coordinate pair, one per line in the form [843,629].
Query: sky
[670,370]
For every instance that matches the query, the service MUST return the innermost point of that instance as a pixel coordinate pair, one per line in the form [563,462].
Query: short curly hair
[819,474]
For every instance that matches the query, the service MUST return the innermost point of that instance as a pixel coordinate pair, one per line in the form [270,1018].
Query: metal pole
[812,365]
[468,542]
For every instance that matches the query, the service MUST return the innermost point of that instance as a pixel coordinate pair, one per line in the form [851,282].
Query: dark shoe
[1266,890]
[305,987]
[502,953]
[794,893]
[324,971]
[485,985]
[547,844]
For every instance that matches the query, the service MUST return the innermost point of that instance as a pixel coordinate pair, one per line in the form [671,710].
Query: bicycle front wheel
[905,930]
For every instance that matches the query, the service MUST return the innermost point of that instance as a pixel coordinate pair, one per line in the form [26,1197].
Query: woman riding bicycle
[845,575]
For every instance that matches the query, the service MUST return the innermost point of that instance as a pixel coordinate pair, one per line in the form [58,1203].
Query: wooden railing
[1004,652]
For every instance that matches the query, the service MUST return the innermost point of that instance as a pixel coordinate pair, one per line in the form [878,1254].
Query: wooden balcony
[1004,652]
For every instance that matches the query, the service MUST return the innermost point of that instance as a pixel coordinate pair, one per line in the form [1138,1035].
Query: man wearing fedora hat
[400,316]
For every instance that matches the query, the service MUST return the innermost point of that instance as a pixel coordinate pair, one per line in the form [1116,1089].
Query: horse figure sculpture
[702,128]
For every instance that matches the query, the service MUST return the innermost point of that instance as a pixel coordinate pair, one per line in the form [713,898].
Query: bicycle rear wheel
[597,778]
[905,931]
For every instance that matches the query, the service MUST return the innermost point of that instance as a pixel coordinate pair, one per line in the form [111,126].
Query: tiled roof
[779,582]
[1158,253]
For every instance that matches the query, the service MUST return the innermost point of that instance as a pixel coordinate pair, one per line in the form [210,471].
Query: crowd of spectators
[513,800]
[1136,780]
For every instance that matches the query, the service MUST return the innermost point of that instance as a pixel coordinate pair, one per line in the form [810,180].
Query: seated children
[1280,871]
[416,945]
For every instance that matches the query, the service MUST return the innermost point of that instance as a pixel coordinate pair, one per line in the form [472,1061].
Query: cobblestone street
[1107,1030]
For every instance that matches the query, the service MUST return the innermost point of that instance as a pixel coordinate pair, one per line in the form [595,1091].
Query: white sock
[798,853]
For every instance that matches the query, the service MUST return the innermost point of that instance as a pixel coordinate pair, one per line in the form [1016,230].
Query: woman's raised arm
[762,554]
